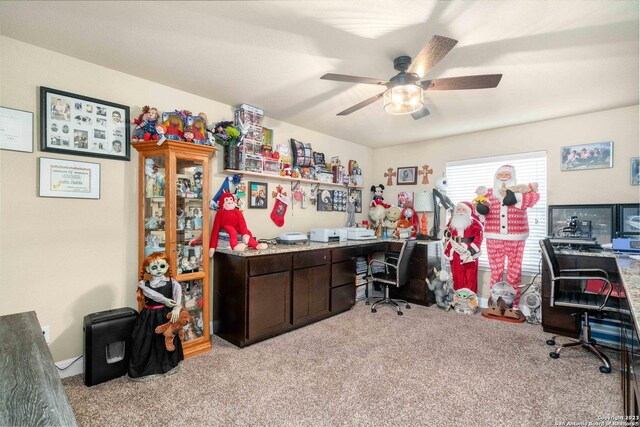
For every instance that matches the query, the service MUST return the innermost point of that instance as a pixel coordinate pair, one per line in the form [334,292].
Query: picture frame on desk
[83,126]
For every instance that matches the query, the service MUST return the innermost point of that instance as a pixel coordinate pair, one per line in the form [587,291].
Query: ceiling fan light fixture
[403,99]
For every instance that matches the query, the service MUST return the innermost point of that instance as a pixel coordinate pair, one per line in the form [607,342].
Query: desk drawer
[260,265]
[343,298]
[343,272]
[311,258]
[338,255]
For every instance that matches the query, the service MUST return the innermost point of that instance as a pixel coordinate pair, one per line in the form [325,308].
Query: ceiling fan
[404,94]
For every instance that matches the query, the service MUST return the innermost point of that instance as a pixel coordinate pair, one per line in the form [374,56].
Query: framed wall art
[83,126]
[405,199]
[16,130]
[635,171]
[68,179]
[407,175]
[357,196]
[597,155]
[258,195]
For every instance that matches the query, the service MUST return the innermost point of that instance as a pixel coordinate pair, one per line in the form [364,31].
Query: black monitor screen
[628,220]
[582,221]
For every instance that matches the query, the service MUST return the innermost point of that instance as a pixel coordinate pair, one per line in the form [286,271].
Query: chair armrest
[585,270]
[381,262]
[606,284]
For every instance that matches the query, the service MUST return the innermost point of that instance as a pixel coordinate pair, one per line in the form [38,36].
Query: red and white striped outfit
[505,230]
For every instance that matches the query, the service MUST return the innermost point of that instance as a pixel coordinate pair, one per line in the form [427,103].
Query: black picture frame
[256,202]
[82,126]
[407,175]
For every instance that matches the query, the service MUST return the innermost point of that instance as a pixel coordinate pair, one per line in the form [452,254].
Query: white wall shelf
[285,178]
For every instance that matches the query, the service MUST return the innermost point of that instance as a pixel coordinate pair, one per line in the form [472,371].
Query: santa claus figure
[506,226]
[463,238]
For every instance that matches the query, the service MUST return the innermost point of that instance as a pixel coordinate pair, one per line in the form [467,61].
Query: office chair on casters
[398,277]
[569,289]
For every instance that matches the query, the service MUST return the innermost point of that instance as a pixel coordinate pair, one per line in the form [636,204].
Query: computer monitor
[628,220]
[583,222]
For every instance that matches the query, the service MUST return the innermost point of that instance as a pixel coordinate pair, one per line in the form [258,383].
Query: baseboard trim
[483,302]
[73,367]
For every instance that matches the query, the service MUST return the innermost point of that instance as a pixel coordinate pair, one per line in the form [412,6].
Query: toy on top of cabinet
[188,134]
[198,126]
[145,129]
[174,125]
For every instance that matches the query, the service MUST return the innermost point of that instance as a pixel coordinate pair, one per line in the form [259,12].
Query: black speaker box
[107,344]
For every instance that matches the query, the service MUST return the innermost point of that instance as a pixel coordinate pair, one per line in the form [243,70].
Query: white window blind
[464,176]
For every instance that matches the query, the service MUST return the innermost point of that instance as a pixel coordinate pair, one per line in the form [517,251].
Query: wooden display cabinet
[174,218]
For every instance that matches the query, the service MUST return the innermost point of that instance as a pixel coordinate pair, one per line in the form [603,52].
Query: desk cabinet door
[310,293]
[269,307]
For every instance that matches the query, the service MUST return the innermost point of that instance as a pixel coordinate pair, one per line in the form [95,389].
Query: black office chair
[397,275]
[568,289]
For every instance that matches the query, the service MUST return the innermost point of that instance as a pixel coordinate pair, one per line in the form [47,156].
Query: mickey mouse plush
[230,219]
[377,196]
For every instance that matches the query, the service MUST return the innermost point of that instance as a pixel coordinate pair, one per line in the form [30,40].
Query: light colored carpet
[427,367]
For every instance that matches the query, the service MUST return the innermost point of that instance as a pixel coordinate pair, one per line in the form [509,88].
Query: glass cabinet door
[154,205]
[192,300]
[189,223]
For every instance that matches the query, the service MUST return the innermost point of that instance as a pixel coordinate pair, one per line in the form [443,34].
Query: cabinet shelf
[287,178]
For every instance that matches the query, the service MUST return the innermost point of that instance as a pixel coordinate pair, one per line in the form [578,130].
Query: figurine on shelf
[230,219]
[188,134]
[199,127]
[174,124]
[161,130]
[162,295]
[378,200]
[146,125]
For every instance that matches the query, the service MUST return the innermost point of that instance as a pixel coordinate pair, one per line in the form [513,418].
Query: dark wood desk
[566,321]
[31,392]
[260,295]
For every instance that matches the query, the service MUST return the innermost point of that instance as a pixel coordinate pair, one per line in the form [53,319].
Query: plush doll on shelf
[377,196]
[230,219]
[162,296]
[146,125]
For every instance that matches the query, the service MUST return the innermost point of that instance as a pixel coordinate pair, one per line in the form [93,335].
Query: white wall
[67,258]
[572,187]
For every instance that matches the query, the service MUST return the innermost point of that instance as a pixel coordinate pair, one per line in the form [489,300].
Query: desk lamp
[423,202]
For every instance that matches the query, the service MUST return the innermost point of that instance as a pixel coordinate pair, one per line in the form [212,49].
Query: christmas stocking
[279,210]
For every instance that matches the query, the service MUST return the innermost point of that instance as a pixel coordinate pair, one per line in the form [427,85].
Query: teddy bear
[170,329]
[230,219]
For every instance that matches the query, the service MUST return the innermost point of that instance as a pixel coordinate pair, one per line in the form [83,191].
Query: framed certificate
[16,130]
[68,179]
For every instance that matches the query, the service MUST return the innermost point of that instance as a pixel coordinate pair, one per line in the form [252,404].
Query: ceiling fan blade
[484,81]
[353,79]
[431,54]
[360,105]
[420,114]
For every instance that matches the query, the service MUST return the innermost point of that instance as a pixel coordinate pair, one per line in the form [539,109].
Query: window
[464,176]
